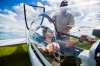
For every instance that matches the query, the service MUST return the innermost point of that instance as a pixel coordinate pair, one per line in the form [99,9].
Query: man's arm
[71,20]
[88,39]
[53,19]
[71,43]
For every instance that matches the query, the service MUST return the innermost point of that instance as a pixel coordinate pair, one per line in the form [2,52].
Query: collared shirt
[63,18]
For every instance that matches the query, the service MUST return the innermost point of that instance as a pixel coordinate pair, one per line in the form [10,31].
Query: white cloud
[12,21]
[85,12]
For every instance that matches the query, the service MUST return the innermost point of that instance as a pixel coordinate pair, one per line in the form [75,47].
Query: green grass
[86,46]
[15,55]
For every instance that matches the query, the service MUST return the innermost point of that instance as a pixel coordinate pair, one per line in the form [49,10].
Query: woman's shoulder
[37,38]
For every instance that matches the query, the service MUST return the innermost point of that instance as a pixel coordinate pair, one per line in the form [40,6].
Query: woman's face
[49,36]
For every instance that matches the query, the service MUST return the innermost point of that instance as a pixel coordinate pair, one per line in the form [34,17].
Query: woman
[48,36]
[47,44]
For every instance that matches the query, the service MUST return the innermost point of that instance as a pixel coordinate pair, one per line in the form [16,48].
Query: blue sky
[88,9]
[7,4]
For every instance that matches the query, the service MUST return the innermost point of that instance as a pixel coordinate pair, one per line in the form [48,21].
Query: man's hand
[87,38]
[83,38]
[91,40]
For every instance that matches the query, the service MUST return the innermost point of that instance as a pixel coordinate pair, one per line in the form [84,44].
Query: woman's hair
[45,30]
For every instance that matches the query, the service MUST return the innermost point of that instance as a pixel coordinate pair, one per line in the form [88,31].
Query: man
[63,22]
[46,42]
[62,19]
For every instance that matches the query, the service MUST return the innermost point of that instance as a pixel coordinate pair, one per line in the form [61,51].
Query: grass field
[85,46]
[16,55]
